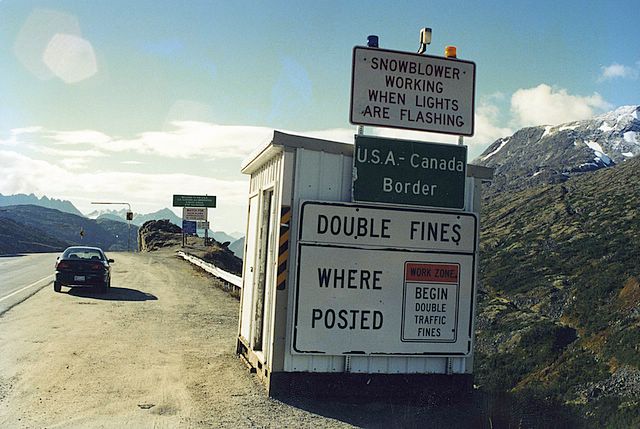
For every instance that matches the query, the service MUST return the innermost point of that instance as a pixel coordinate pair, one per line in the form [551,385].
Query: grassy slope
[560,309]
[19,238]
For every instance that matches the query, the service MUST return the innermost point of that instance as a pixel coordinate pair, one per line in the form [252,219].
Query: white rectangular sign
[411,91]
[381,301]
[361,225]
[385,281]
[194,213]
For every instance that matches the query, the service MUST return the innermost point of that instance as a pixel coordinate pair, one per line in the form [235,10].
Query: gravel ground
[158,351]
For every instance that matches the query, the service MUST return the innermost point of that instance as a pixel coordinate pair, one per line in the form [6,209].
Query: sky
[134,101]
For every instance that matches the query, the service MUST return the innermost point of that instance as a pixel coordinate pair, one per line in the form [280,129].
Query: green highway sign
[407,172]
[194,201]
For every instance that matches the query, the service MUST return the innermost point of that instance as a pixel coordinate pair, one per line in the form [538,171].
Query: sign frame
[465,94]
[203,224]
[194,200]
[463,246]
[462,347]
[405,296]
[195,213]
[430,175]
[189,227]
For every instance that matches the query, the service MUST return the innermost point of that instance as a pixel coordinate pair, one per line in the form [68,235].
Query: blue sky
[138,100]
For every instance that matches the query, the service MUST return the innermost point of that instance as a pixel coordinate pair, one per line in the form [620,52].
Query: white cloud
[186,140]
[25,130]
[16,132]
[496,96]
[79,137]
[145,192]
[192,139]
[488,129]
[544,105]
[344,135]
[74,163]
[616,71]
[65,153]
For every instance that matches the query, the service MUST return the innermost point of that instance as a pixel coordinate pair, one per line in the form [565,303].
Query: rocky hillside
[57,229]
[559,310]
[552,154]
[154,235]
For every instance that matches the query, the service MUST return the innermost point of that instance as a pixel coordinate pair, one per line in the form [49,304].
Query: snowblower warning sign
[430,304]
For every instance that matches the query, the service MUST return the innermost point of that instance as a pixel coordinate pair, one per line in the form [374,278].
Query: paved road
[22,276]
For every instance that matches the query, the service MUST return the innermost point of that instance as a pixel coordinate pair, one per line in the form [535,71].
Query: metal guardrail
[212,269]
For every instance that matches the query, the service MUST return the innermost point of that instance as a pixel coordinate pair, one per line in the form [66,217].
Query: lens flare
[70,57]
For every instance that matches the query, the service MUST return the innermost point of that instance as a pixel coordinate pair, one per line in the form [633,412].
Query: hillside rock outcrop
[155,234]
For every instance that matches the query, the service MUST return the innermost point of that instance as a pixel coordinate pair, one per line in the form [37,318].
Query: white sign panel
[350,224]
[194,213]
[418,92]
[431,297]
[384,281]
[375,301]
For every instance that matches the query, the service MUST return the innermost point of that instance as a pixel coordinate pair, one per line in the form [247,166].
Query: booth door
[263,271]
[249,269]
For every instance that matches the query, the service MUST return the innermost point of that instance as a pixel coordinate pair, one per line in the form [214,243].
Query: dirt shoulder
[157,351]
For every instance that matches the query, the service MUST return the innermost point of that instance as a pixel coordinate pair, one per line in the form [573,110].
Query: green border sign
[194,201]
[409,172]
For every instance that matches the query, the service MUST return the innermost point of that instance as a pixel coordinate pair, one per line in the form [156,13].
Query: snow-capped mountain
[138,218]
[107,213]
[551,154]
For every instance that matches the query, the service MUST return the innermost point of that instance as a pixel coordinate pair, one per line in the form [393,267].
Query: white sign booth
[340,297]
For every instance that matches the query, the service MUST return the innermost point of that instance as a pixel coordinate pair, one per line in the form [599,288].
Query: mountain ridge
[44,201]
[551,154]
[118,215]
[38,227]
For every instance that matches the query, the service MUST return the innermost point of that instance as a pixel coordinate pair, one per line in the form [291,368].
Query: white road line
[26,287]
